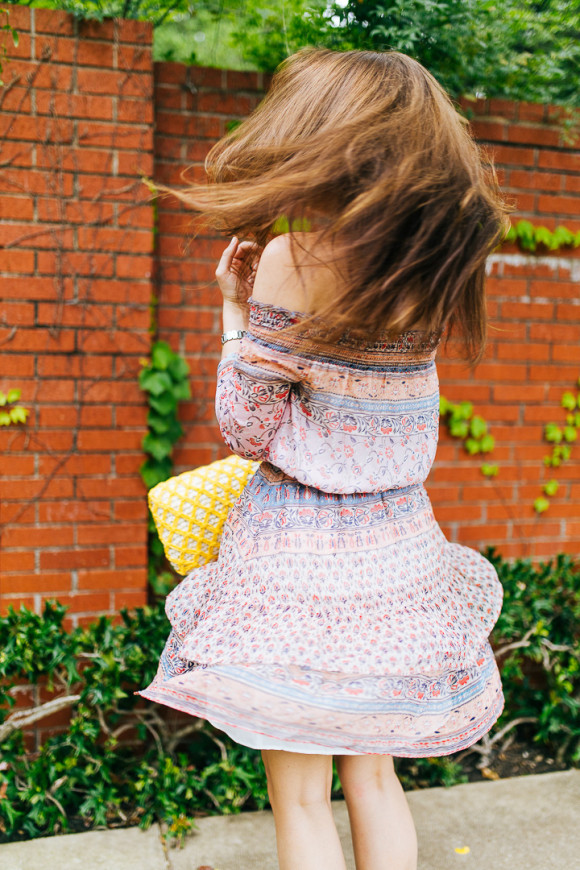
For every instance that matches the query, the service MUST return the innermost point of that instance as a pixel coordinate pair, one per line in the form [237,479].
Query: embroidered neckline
[430,338]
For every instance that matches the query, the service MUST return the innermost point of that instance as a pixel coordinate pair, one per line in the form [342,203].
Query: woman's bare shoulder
[294,277]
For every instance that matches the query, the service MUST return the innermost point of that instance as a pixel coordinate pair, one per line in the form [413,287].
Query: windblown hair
[411,205]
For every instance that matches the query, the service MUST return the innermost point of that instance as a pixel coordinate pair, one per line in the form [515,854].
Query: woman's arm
[234,316]
[235,294]
[255,375]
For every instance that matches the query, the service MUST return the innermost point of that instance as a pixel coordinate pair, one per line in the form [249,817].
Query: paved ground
[524,823]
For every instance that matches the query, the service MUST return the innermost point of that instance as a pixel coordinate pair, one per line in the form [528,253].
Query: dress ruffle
[346,623]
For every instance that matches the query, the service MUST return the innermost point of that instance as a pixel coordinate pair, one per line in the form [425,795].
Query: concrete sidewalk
[524,823]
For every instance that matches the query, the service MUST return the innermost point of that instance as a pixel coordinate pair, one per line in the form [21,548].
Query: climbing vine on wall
[562,437]
[529,236]
[470,428]
[12,414]
[164,380]
[6,30]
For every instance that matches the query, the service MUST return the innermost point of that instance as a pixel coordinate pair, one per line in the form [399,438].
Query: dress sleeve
[254,385]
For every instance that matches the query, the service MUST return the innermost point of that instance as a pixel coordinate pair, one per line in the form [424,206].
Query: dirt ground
[519,759]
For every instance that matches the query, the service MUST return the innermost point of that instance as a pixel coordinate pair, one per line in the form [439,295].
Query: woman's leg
[383,831]
[299,788]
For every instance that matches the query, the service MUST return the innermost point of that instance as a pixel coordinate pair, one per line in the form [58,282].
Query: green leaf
[163,404]
[560,237]
[280,226]
[182,390]
[155,382]
[3,399]
[159,424]
[526,235]
[487,443]
[158,446]
[541,504]
[553,432]
[178,368]
[478,427]
[153,472]
[489,470]
[167,426]
[551,487]
[19,414]
[444,405]
[465,410]
[459,428]
[569,401]
[161,355]
[472,446]
[543,236]
[13,395]
[570,433]
[175,431]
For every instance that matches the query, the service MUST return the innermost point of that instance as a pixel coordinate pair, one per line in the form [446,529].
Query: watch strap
[231,334]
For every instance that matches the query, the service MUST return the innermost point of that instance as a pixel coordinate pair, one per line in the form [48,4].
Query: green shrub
[124,761]
[537,645]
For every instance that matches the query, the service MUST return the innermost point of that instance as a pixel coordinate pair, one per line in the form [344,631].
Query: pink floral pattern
[337,618]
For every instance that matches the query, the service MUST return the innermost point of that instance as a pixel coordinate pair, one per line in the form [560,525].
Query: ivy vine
[529,236]
[12,414]
[164,380]
[470,428]
[6,29]
[562,437]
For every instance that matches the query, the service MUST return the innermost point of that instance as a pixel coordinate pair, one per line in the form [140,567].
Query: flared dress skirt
[335,623]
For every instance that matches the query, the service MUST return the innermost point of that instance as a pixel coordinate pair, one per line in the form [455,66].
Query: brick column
[76,240]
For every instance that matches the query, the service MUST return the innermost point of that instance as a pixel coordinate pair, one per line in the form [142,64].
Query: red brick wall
[193,106]
[533,354]
[79,128]
[76,258]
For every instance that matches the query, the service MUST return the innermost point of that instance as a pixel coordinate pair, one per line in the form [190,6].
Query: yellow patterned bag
[190,510]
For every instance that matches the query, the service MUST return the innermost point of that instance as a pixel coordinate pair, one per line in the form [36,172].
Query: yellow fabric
[190,510]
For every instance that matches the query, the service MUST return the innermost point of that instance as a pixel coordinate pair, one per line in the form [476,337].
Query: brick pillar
[76,239]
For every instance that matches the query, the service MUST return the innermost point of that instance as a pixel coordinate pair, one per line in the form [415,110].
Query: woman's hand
[228,270]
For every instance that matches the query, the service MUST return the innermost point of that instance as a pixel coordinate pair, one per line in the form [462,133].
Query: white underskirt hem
[261,741]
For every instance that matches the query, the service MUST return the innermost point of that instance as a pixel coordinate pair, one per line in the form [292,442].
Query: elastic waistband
[276,477]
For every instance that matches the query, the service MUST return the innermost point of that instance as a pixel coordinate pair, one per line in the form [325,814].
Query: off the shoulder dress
[338,619]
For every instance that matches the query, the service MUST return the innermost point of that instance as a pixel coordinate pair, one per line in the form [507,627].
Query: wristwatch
[231,334]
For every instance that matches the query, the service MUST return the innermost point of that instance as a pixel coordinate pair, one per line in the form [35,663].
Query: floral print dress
[337,619]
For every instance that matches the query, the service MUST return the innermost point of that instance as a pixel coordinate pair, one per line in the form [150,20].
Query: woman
[338,620]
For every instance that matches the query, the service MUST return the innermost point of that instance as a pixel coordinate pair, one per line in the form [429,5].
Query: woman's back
[307,283]
[358,416]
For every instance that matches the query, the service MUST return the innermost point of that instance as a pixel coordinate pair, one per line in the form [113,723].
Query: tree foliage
[518,49]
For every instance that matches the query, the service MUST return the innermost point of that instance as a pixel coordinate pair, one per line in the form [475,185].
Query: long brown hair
[411,203]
